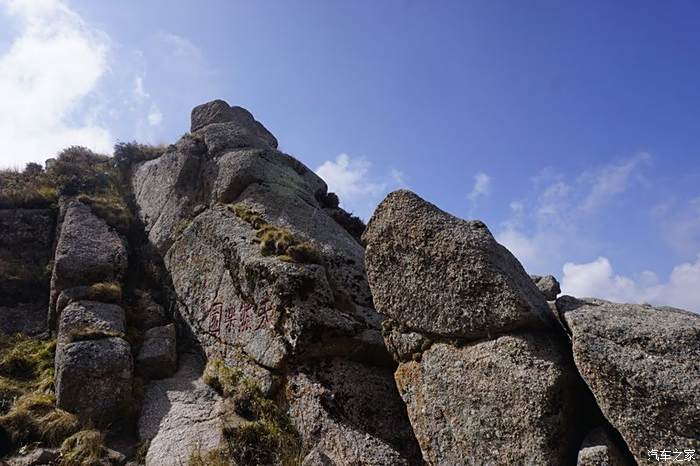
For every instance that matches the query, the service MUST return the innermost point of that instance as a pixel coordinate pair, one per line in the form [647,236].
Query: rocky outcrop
[261,275]
[641,364]
[88,252]
[444,284]
[26,237]
[441,275]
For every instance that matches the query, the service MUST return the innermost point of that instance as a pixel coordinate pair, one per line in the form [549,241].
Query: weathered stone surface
[438,274]
[157,356]
[180,414]
[93,378]
[82,293]
[643,367]
[598,449]
[88,251]
[317,458]
[88,320]
[504,401]
[218,111]
[258,312]
[350,414]
[25,251]
[548,285]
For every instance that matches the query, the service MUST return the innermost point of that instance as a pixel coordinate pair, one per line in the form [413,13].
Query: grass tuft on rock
[83,448]
[267,437]
[106,292]
[278,241]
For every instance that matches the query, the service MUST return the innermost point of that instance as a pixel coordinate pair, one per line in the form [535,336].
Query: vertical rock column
[93,360]
[484,377]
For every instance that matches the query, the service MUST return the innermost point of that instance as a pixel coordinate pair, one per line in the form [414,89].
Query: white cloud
[349,177]
[358,188]
[180,47]
[611,180]
[482,186]
[49,69]
[598,279]
[155,117]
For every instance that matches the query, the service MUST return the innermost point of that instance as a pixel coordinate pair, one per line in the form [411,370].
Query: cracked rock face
[643,367]
[259,312]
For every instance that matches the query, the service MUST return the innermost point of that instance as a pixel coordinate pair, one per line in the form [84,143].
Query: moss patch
[278,241]
[266,437]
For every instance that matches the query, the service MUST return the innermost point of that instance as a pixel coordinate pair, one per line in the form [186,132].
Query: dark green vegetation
[265,436]
[275,240]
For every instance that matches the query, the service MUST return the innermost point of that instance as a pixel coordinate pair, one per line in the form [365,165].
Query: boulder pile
[241,316]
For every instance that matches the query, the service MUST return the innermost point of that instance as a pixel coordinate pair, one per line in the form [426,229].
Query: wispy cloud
[552,227]
[611,180]
[51,66]
[481,188]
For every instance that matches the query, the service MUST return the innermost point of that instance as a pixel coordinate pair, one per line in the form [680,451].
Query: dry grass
[83,448]
[26,381]
[278,241]
[35,418]
[111,207]
[106,292]
[268,436]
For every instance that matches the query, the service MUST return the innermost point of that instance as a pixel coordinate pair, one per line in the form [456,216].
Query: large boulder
[641,364]
[438,274]
[501,402]
[243,125]
[93,379]
[88,251]
[179,415]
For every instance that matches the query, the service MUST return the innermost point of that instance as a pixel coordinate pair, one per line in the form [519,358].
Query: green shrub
[30,189]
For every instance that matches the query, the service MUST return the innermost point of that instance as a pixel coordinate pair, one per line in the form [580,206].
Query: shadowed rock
[641,364]
[548,285]
[157,356]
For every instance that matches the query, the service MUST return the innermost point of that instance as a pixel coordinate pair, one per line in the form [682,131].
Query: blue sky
[571,128]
